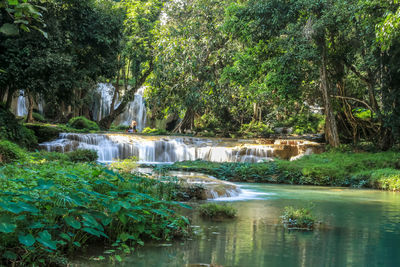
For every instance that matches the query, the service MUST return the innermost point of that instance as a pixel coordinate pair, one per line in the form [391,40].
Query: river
[359,228]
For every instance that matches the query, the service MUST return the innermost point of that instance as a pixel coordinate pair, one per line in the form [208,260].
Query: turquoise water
[359,228]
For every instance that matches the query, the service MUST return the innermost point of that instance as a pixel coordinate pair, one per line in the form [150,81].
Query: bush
[386,179]
[298,219]
[120,127]
[11,129]
[125,165]
[82,155]
[217,211]
[10,152]
[255,129]
[38,117]
[152,131]
[83,124]
[44,133]
[50,156]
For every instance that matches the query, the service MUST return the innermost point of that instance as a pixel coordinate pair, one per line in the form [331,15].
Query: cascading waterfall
[172,149]
[21,104]
[135,110]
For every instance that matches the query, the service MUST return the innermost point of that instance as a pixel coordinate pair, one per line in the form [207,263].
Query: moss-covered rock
[83,123]
[44,133]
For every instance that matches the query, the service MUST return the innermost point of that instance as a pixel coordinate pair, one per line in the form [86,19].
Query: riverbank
[360,170]
[51,210]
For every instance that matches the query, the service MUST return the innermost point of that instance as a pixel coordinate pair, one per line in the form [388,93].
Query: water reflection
[361,228]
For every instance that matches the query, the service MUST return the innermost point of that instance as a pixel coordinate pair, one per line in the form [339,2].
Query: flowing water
[359,228]
[22,110]
[135,110]
[163,149]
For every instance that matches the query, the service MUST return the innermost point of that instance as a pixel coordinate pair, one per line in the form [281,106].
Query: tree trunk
[10,94]
[187,122]
[29,116]
[331,132]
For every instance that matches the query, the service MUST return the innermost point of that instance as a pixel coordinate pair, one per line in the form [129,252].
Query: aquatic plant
[217,211]
[298,219]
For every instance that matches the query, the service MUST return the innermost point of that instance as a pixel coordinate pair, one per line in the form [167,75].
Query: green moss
[10,152]
[217,211]
[83,123]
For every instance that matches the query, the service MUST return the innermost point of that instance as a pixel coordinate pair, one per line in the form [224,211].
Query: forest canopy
[223,66]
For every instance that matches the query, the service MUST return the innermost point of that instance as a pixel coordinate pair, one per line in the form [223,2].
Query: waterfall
[135,110]
[21,104]
[172,149]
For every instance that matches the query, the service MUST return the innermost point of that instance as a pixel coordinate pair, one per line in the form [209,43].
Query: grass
[217,211]
[370,170]
[298,219]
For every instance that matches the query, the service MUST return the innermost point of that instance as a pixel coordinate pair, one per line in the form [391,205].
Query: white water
[21,104]
[135,110]
[172,149]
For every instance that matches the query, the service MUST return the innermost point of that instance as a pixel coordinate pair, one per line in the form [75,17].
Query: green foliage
[329,169]
[43,132]
[11,129]
[125,165]
[10,152]
[298,219]
[49,211]
[119,128]
[151,131]
[82,155]
[50,156]
[38,117]
[255,129]
[83,124]
[217,211]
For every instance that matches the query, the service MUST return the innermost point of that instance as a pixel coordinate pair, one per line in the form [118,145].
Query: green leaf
[13,2]
[77,244]
[65,236]
[9,29]
[27,240]
[7,225]
[94,232]
[36,225]
[118,258]
[45,239]
[10,255]
[73,222]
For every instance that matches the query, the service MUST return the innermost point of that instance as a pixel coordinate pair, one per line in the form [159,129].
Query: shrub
[152,131]
[38,117]
[83,124]
[255,129]
[298,219]
[11,129]
[83,155]
[50,156]
[10,152]
[120,127]
[125,165]
[217,211]
[387,179]
[44,133]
